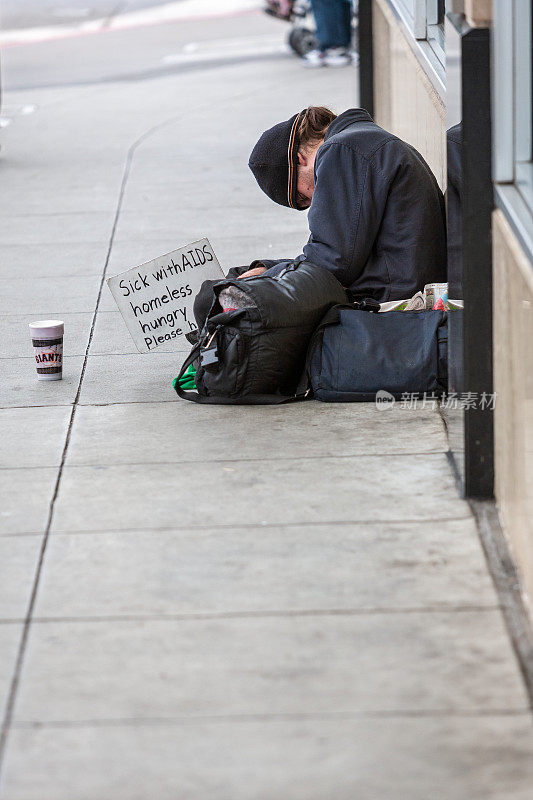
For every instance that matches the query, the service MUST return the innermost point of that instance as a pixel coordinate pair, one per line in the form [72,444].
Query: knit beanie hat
[274,162]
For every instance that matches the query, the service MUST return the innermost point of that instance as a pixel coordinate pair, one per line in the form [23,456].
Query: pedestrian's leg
[339,13]
[320,13]
[333,20]
[345,33]
[315,58]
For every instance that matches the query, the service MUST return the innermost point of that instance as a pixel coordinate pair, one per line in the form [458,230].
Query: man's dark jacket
[377,217]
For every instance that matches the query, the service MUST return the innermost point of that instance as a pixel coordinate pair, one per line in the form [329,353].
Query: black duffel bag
[354,354]
[256,354]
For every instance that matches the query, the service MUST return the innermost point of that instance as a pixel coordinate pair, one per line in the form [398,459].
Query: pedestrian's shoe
[313,59]
[337,57]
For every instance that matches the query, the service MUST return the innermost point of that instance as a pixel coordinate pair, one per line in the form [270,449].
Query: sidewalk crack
[12,694]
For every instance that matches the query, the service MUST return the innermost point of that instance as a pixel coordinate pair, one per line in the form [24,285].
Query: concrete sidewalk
[216,603]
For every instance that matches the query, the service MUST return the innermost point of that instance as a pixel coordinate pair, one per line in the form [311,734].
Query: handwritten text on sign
[156,299]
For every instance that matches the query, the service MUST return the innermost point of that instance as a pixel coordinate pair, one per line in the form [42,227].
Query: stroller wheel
[302,40]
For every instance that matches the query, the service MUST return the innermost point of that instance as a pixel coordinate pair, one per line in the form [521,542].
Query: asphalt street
[36,13]
[73,55]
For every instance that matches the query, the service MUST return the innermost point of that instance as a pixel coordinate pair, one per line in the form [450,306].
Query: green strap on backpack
[187,379]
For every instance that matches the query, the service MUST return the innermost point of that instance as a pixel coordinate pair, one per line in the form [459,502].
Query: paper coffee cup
[47,339]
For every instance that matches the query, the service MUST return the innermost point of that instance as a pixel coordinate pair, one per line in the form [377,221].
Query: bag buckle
[209,354]
[209,357]
[369,304]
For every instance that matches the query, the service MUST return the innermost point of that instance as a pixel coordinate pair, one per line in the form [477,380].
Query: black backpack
[256,354]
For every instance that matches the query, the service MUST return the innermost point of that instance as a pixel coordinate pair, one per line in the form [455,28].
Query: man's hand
[252,272]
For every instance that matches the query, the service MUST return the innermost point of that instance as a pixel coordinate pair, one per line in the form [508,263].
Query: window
[512,82]
[408,6]
[425,20]
[435,26]
[522,121]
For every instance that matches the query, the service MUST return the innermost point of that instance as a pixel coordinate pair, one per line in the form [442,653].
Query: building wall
[513,385]
[405,101]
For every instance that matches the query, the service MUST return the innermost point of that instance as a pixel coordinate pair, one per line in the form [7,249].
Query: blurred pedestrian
[333,20]
[282,9]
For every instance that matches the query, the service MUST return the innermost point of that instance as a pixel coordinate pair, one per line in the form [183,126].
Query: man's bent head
[283,159]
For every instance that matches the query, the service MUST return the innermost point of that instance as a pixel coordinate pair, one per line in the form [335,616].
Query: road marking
[196,52]
[182,11]
[20,110]
[10,110]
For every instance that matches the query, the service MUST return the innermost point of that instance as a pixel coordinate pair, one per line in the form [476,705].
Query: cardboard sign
[156,299]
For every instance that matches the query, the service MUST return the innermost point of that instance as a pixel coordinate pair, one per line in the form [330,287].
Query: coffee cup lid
[47,329]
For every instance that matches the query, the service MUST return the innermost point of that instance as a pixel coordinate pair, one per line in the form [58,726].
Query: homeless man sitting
[376,213]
